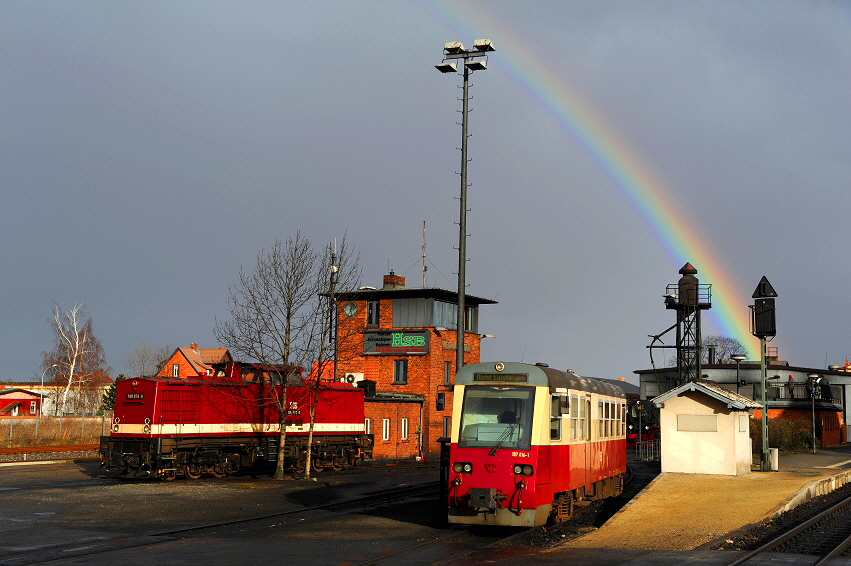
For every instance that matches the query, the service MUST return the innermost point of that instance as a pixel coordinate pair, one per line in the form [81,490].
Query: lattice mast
[688,297]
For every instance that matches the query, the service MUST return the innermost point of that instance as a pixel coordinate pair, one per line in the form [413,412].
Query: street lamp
[41,398]
[738,358]
[452,52]
[815,379]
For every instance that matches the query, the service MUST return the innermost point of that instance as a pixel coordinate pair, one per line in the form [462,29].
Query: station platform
[689,511]
[685,518]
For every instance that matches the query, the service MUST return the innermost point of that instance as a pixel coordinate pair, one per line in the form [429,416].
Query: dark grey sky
[150,149]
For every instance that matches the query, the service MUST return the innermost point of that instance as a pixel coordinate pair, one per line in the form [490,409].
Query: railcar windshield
[497,417]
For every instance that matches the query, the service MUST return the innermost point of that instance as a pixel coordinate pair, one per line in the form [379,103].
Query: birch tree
[277,318]
[78,356]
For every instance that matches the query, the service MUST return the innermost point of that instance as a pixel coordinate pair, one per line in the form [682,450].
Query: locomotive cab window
[496,417]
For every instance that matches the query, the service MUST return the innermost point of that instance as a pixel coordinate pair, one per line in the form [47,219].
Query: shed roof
[732,399]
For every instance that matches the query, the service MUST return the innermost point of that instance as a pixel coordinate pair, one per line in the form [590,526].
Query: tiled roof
[731,398]
[201,358]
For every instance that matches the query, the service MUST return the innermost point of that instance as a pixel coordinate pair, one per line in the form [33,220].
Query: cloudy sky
[148,150]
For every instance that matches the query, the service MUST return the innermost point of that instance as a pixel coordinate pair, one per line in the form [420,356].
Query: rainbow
[644,191]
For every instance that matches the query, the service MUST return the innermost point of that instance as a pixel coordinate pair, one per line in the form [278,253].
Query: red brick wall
[395,446]
[425,372]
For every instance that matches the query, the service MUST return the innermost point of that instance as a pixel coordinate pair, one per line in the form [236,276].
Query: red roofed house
[19,402]
[193,361]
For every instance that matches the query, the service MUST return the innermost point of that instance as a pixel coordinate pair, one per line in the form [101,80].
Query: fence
[648,450]
[51,431]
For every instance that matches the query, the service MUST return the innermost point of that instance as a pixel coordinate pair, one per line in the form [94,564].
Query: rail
[826,535]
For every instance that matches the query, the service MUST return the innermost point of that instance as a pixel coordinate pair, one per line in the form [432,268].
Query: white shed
[705,429]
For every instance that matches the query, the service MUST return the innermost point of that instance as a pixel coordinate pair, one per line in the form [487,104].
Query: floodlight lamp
[453,46]
[446,67]
[483,45]
[476,65]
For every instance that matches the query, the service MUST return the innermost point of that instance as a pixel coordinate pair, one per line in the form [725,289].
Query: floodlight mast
[455,50]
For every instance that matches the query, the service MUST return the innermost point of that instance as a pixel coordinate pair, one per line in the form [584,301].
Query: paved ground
[669,522]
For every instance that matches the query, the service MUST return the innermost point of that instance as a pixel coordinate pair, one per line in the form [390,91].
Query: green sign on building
[395,342]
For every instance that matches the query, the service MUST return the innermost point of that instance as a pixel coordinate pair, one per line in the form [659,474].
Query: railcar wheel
[191,472]
[338,464]
[217,471]
[168,476]
[316,465]
[563,508]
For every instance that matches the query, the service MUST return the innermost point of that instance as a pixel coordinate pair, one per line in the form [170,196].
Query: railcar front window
[494,416]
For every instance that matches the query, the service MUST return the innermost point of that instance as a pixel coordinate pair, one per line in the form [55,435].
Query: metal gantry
[688,297]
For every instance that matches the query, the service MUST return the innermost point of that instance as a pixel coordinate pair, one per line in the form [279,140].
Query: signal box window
[447,427]
[400,372]
[385,429]
[447,373]
[372,312]
[367,426]
[404,429]
[175,370]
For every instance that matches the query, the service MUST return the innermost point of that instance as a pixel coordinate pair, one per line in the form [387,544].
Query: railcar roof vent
[542,365]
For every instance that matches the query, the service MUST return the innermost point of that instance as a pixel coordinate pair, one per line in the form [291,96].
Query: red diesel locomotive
[217,425]
[529,442]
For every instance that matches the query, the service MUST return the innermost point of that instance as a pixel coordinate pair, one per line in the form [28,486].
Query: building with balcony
[790,393]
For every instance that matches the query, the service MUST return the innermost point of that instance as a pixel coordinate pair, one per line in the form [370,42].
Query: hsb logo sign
[400,340]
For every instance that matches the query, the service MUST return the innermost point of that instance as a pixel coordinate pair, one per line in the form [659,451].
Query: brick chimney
[393,281]
[194,346]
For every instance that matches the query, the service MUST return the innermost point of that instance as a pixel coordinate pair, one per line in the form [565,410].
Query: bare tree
[277,318]
[725,346]
[78,356]
[146,359]
[341,270]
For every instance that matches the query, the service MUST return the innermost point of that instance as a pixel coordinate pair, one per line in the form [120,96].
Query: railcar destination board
[510,377]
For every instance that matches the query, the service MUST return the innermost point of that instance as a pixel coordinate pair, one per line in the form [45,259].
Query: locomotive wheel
[191,473]
[563,508]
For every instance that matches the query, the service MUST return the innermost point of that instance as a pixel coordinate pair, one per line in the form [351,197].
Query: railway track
[826,535]
[99,544]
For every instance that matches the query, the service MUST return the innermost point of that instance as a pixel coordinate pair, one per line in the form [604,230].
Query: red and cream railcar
[529,442]
[216,425]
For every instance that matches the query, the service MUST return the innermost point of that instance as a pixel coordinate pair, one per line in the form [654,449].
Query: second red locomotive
[529,442]
[219,424]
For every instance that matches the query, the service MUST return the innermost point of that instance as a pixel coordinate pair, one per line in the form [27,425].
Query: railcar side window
[608,419]
[585,420]
[496,415]
[574,418]
[555,417]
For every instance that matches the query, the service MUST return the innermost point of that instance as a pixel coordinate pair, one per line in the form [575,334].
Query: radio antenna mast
[425,267]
